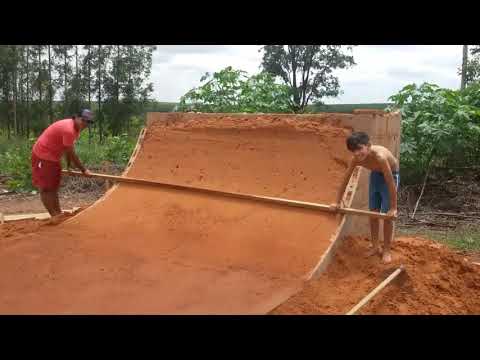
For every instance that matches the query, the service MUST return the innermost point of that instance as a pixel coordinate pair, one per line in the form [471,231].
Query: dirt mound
[12,229]
[328,125]
[436,281]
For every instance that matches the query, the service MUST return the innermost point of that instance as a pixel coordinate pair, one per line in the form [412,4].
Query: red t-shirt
[53,142]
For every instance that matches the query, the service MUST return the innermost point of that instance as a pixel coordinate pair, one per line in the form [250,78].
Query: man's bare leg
[387,240]
[50,201]
[374,227]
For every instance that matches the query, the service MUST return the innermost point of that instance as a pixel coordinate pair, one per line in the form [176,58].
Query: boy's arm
[343,185]
[387,174]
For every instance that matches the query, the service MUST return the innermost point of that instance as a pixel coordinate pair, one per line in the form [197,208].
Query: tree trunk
[77,80]
[8,115]
[65,88]
[40,73]
[89,80]
[117,75]
[464,67]
[21,112]
[89,69]
[14,105]
[50,89]
[293,59]
[305,79]
[76,60]
[117,91]
[99,80]
[28,94]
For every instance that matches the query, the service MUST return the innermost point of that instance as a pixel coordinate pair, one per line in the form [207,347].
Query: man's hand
[86,172]
[392,212]
[335,206]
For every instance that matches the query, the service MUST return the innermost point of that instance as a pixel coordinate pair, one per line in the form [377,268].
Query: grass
[465,238]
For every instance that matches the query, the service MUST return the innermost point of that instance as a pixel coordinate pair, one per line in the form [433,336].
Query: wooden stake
[268,199]
[375,291]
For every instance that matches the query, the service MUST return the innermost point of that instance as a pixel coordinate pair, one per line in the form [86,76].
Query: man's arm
[70,153]
[387,174]
[346,179]
[68,160]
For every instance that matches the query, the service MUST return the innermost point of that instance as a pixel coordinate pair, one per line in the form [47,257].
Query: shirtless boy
[384,182]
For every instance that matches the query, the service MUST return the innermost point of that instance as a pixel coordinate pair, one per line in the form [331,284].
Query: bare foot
[374,251]
[57,219]
[387,257]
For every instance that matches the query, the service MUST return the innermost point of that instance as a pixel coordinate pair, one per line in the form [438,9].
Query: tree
[64,70]
[231,90]
[39,83]
[50,84]
[307,70]
[101,55]
[470,69]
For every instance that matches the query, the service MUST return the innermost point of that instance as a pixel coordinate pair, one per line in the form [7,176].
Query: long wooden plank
[268,199]
[36,216]
[375,291]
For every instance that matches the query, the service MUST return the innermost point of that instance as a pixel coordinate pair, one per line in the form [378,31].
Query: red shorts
[46,175]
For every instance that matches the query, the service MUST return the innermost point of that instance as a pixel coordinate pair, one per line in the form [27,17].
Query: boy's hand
[86,172]
[392,212]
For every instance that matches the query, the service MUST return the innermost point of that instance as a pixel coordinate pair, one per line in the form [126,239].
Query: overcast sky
[381,70]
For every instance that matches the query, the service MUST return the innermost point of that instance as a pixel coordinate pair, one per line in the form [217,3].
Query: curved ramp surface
[144,250]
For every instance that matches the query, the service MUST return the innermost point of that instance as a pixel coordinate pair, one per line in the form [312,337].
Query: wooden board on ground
[37,216]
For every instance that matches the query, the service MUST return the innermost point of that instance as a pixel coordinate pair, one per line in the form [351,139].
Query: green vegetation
[440,127]
[15,154]
[231,90]
[466,238]
[345,108]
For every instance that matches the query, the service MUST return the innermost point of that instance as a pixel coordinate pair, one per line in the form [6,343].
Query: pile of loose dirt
[436,281]
[12,229]
[328,125]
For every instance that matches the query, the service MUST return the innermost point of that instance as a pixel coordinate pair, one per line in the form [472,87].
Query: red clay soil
[436,281]
[146,250]
[12,229]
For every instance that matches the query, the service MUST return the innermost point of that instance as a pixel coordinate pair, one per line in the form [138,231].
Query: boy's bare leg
[374,226]
[387,240]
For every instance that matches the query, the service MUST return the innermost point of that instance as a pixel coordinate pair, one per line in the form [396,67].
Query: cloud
[381,70]
[168,53]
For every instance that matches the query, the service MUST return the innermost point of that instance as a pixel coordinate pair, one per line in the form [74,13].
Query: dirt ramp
[145,250]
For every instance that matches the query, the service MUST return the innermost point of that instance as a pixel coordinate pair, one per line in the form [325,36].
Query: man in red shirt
[55,141]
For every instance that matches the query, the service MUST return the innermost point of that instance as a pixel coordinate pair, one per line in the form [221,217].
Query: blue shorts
[378,194]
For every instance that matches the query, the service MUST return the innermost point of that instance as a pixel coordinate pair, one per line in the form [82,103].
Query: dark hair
[356,139]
